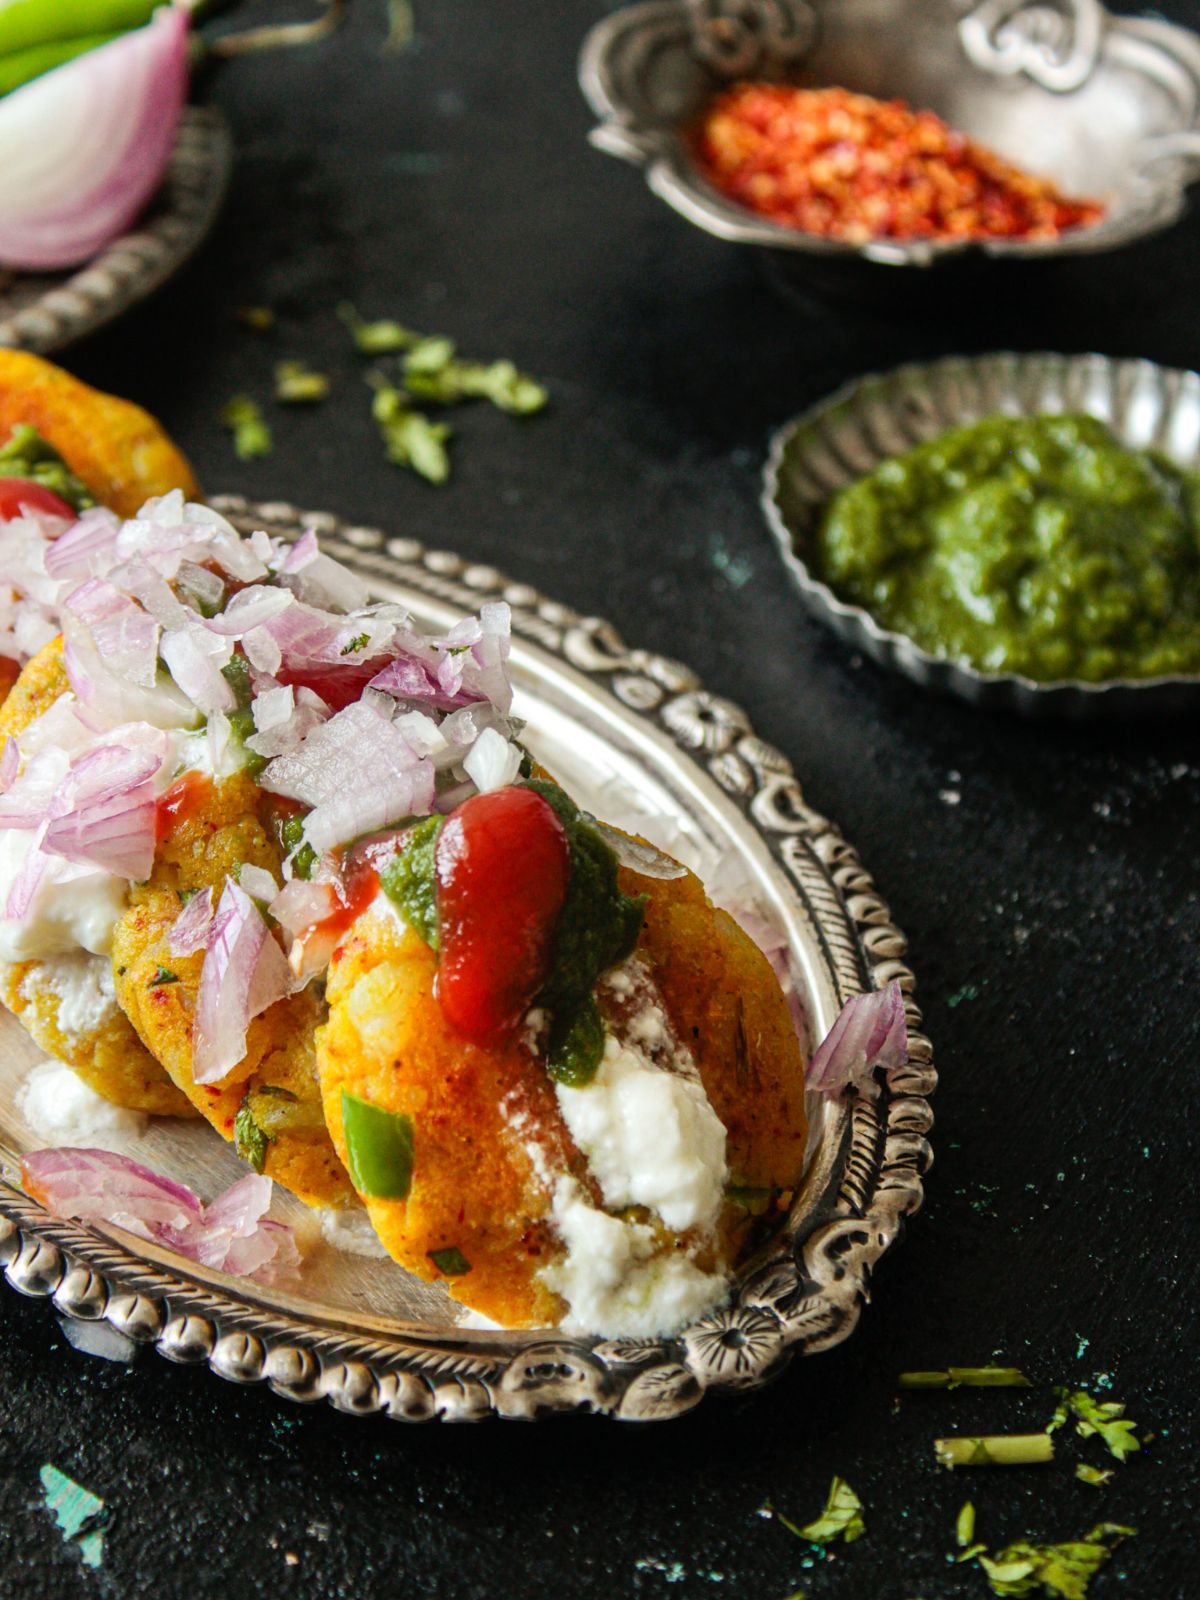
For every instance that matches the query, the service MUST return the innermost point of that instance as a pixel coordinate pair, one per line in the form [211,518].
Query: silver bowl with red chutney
[883,134]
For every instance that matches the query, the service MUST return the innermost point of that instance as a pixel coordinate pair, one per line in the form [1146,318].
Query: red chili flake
[847,166]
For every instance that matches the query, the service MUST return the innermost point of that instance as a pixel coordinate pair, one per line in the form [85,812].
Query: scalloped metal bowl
[872,418]
[1103,105]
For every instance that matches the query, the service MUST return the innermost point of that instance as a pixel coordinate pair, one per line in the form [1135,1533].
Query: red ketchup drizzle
[181,802]
[356,888]
[19,494]
[502,864]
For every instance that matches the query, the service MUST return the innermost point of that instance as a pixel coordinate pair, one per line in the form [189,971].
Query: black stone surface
[1047,878]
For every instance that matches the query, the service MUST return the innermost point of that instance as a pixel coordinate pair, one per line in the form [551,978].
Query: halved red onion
[232,1233]
[189,931]
[244,972]
[84,147]
[871,1031]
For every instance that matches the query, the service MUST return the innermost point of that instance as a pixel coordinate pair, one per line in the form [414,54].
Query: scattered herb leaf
[964,1527]
[382,338]
[260,318]
[1062,1570]
[450,1262]
[500,382]
[966,1378]
[243,418]
[431,354]
[359,641]
[1103,1417]
[249,1140]
[995,1450]
[841,1518]
[297,384]
[161,976]
[409,438]
[1096,1476]
[77,1511]
[401,25]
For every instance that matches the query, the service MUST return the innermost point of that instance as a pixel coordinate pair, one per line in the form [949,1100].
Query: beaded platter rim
[802,1294]
[72,304]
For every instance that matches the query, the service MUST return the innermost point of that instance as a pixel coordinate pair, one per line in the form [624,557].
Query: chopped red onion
[321,581]
[244,972]
[871,1030]
[232,1233]
[10,762]
[250,609]
[189,932]
[257,882]
[300,905]
[492,762]
[194,658]
[390,780]
[300,554]
[87,548]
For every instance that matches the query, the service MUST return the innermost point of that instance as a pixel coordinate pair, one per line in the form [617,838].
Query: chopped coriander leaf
[430,355]
[359,641]
[500,382]
[296,384]
[841,1518]
[970,1553]
[291,837]
[1061,1570]
[401,25]
[964,1527]
[187,894]
[995,1450]
[260,318]
[1106,1418]
[450,1262]
[1096,1476]
[376,338]
[967,1378]
[409,438]
[249,1140]
[243,418]
[161,976]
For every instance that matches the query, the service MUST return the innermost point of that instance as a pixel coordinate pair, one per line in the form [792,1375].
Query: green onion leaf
[450,1262]
[296,384]
[243,418]
[379,1148]
[995,1450]
[966,1378]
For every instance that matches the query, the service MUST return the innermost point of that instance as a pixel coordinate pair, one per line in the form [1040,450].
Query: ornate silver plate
[1104,105]
[633,735]
[43,312]
[1147,406]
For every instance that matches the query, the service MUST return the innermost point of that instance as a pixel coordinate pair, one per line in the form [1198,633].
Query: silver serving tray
[1105,105]
[632,734]
[47,311]
[872,418]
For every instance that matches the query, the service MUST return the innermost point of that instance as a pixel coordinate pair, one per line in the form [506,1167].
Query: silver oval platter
[842,438]
[42,312]
[636,739]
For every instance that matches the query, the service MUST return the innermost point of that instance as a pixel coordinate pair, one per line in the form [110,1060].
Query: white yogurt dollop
[61,1110]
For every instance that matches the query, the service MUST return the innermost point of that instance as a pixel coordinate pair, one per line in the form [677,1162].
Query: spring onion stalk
[995,1450]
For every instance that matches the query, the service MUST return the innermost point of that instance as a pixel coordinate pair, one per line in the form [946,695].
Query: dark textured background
[1053,910]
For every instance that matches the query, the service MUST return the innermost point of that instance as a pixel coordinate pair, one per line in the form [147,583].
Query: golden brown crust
[219,833]
[119,450]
